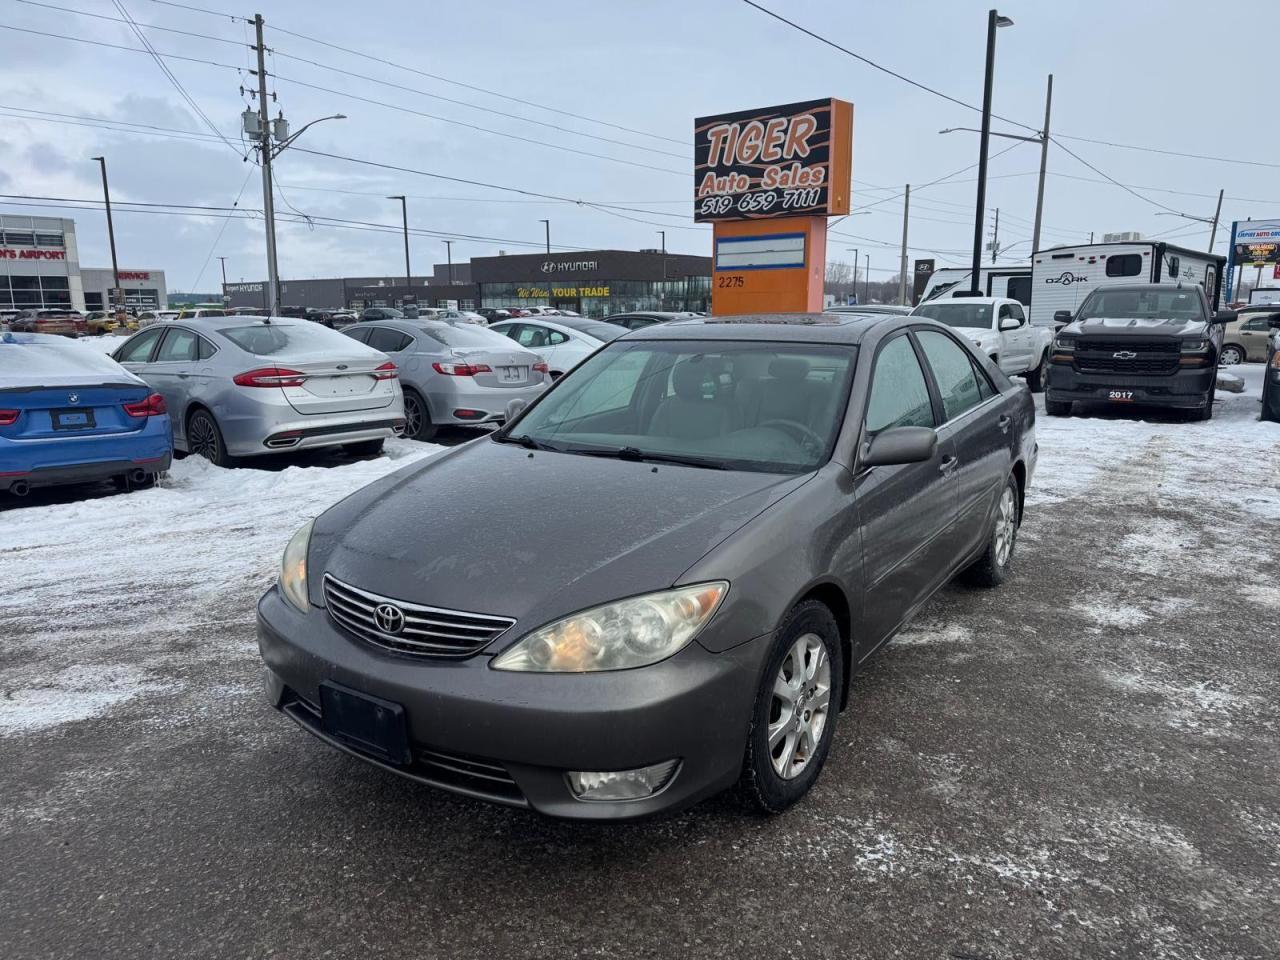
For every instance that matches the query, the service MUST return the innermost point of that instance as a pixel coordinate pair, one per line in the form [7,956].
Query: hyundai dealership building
[40,269]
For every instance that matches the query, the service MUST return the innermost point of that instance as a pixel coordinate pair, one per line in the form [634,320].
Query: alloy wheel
[202,437]
[1231,355]
[1006,526]
[412,416]
[800,704]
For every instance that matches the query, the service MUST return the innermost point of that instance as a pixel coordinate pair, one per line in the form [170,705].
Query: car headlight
[1194,346]
[293,568]
[1064,345]
[628,633]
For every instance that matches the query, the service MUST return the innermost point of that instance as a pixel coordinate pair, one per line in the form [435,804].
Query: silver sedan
[246,386]
[454,373]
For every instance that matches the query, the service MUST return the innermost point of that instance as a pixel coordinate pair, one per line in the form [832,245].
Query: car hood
[494,528]
[1137,327]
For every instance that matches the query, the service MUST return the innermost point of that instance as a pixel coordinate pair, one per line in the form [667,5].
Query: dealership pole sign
[1254,243]
[767,179]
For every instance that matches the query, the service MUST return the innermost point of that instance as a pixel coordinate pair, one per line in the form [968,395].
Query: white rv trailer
[1061,277]
[1012,282]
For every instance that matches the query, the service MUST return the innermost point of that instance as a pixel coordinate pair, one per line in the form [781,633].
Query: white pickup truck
[1000,328]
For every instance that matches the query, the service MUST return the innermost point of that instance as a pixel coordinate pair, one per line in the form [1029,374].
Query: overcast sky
[1169,75]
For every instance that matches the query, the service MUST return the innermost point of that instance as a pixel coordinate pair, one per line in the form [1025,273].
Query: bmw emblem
[73,398]
[389,618]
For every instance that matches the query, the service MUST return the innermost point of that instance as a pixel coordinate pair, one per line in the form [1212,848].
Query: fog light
[465,414]
[622,784]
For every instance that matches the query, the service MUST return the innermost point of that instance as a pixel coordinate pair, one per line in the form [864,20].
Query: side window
[511,330]
[1124,265]
[1015,311]
[388,340]
[1005,312]
[1175,265]
[953,372]
[614,387]
[1257,323]
[359,333]
[206,349]
[985,389]
[555,337]
[899,395]
[139,348]
[178,345]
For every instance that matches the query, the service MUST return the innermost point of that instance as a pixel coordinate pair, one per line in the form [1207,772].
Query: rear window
[265,340]
[957,313]
[1124,265]
[469,336]
[602,331]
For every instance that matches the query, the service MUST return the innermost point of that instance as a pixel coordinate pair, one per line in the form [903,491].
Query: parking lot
[1084,762]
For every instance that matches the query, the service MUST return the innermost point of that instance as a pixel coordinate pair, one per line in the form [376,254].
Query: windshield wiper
[640,456]
[523,440]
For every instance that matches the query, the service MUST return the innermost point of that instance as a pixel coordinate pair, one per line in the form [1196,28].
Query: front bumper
[1183,389]
[511,737]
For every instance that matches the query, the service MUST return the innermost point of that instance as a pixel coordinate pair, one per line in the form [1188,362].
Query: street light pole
[404,217]
[866,280]
[902,280]
[1044,161]
[448,246]
[548,223]
[1213,232]
[855,271]
[225,298]
[663,234]
[111,237]
[994,22]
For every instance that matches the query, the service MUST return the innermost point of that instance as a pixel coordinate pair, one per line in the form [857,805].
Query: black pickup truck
[1142,344]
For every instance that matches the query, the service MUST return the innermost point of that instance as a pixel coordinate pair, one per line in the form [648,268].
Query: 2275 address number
[731,281]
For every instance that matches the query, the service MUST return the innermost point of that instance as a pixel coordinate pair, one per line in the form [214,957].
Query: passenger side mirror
[1010,323]
[1225,316]
[515,408]
[900,445]
[1062,316]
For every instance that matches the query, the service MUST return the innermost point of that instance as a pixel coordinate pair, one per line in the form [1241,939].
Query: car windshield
[267,339]
[1175,304]
[773,407]
[957,313]
[468,336]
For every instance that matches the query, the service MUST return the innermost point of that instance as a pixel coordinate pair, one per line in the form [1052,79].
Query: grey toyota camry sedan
[656,581]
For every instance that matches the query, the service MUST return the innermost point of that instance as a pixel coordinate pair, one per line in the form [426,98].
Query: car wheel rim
[1006,527]
[412,417]
[799,706]
[203,440]
[1230,357]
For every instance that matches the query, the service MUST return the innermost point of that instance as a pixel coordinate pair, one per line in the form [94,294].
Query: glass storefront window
[49,240]
[19,238]
[26,291]
[600,298]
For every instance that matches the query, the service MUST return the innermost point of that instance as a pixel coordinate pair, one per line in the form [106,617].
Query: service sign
[787,161]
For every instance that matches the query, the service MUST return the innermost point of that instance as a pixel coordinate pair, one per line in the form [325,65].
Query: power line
[470,86]
[1127,189]
[118,46]
[145,26]
[221,230]
[472,126]
[185,6]
[1169,153]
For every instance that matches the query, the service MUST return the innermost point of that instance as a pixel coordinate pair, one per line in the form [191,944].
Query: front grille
[1151,356]
[468,773]
[427,631]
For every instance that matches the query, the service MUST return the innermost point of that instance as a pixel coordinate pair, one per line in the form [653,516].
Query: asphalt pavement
[1082,763]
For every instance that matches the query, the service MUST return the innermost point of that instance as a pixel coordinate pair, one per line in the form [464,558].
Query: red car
[64,323]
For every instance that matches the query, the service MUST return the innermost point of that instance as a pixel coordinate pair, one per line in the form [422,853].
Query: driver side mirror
[1225,316]
[900,445]
[1062,316]
[1010,323]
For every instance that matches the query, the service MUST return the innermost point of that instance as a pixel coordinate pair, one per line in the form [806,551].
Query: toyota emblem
[388,617]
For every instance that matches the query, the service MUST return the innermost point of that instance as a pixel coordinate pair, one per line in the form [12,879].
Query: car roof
[931,303]
[1139,287]
[56,361]
[797,327]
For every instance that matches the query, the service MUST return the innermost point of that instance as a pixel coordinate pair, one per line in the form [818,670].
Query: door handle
[1003,423]
[947,465]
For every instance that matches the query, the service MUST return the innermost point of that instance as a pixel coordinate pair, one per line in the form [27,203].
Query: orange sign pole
[768,179]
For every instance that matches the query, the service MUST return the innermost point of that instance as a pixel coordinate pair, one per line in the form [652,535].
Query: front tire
[1206,411]
[1057,408]
[205,438]
[990,569]
[1035,378]
[794,718]
[1231,355]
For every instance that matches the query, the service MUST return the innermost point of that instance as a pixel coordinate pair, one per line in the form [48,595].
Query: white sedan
[563,342]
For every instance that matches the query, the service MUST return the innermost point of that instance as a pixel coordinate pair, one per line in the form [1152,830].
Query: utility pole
[995,237]
[268,197]
[548,223]
[448,247]
[1044,162]
[661,233]
[118,303]
[225,298]
[994,22]
[906,211]
[1213,233]
[404,218]
[866,281]
[855,274]
[1090,236]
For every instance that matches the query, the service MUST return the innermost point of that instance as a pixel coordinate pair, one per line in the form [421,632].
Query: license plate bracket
[72,419]
[365,723]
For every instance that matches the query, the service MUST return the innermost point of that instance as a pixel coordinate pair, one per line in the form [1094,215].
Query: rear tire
[1057,408]
[365,448]
[992,567]
[204,437]
[417,418]
[1035,378]
[1231,355]
[796,707]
